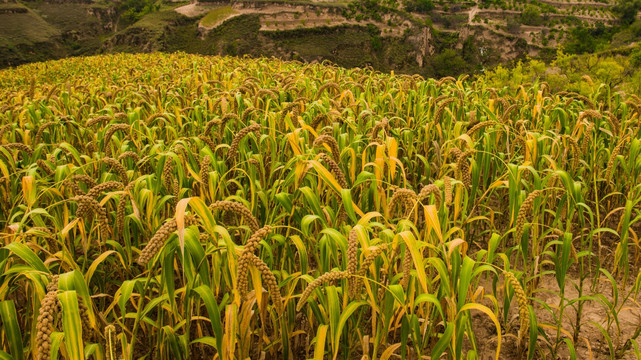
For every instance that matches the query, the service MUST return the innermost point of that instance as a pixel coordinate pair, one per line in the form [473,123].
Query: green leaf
[11,328]
[343,319]
[207,296]
[72,325]
[25,253]
[443,342]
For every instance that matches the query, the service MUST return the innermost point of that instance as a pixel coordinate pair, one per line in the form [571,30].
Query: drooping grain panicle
[472,119]
[19,146]
[41,130]
[204,174]
[208,142]
[407,197]
[121,208]
[441,108]
[447,189]
[104,187]
[507,112]
[269,281]
[244,261]
[613,156]
[42,165]
[129,155]
[369,260]
[407,268]
[524,314]
[47,316]
[335,169]
[589,114]
[160,237]
[247,112]
[109,133]
[333,145]
[75,189]
[333,275]
[233,149]
[110,342]
[88,206]
[526,208]
[238,209]
[210,124]
[4,129]
[88,180]
[175,191]
[352,260]
[319,119]
[463,167]
[84,320]
[480,126]
[223,123]
[576,150]
[381,125]
[98,120]
[613,122]
[167,173]
[120,170]
[428,190]
[587,137]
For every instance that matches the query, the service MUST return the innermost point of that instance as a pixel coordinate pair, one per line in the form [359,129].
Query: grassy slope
[68,17]
[216,15]
[24,28]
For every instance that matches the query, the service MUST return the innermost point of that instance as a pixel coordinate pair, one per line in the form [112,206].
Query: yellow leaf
[330,180]
[319,348]
[29,190]
[488,312]
[389,351]
[417,257]
[380,162]
[432,222]
[181,207]
[454,244]
[392,152]
[293,140]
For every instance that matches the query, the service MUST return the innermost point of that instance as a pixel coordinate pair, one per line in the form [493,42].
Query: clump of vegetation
[268,209]
[134,10]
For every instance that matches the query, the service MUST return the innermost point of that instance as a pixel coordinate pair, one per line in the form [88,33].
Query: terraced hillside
[414,36]
[174,206]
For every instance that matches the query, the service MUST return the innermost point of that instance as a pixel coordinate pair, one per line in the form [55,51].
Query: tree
[449,63]
[531,15]
[420,6]
[133,10]
[627,10]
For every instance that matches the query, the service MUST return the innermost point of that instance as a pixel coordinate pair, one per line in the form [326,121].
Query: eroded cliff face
[423,41]
[108,17]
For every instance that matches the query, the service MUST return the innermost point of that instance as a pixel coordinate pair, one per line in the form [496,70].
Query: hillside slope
[445,38]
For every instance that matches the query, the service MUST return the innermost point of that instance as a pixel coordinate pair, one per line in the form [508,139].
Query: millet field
[174,206]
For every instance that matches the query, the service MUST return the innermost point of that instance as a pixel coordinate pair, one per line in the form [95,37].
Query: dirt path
[291,17]
[473,11]
[193,10]
[575,3]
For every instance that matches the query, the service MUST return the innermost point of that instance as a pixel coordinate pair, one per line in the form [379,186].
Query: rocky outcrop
[107,16]
[423,42]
